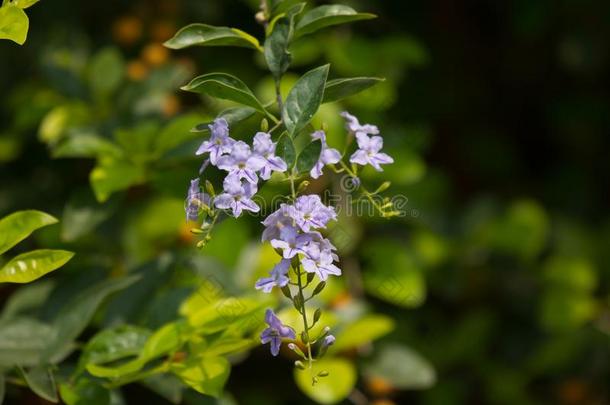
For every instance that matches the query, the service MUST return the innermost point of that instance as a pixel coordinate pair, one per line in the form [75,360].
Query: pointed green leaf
[207,375]
[285,150]
[75,315]
[276,46]
[32,265]
[14,23]
[208,35]
[85,145]
[16,227]
[114,344]
[325,16]
[41,380]
[225,86]
[331,389]
[309,156]
[338,89]
[304,99]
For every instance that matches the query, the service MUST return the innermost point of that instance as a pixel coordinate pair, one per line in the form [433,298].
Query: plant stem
[305,324]
[365,192]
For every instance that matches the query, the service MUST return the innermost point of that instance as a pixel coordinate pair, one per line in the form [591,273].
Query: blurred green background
[497,114]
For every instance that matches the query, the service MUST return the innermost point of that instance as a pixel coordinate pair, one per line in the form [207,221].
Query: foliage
[490,286]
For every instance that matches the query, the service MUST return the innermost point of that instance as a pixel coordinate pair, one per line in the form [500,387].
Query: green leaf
[14,23]
[42,382]
[225,345]
[74,317]
[363,331]
[111,175]
[309,156]
[22,341]
[330,389]
[208,35]
[403,368]
[24,3]
[338,89]
[232,115]
[285,150]
[84,392]
[207,375]
[276,46]
[325,16]
[113,344]
[224,86]
[304,99]
[16,227]
[105,72]
[32,265]
[165,340]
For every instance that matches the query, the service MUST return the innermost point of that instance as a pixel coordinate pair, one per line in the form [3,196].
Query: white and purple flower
[369,152]
[275,332]
[291,242]
[320,262]
[237,196]
[277,278]
[327,155]
[265,148]
[309,212]
[242,163]
[219,142]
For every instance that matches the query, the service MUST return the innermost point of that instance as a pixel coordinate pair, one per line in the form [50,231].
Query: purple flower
[319,262]
[368,152]
[275,222]
[277,278]
[354,126]
[275,332]
[327,155]
[219,142]
[242,163]
[264,147]
[309,212]
[237,196]
[193,201]
[291,242]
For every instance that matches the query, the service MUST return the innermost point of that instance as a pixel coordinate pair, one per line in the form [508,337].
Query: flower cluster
[243,165]
[294,230]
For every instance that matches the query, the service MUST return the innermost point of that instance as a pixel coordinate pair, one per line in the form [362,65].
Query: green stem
[365,192]
[305,324]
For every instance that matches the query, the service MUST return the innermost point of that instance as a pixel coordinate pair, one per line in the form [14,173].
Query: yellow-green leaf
[16,227]
[32,265]
[14,23]
[207,375]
